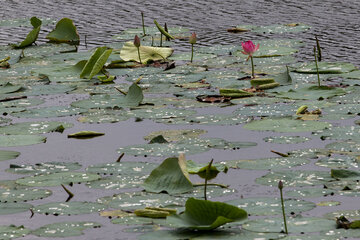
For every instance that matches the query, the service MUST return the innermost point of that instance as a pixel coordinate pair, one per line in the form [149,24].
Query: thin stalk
[252,67]
[139,54]
[143,25]
[317,67]
[318,48]
[161,40]
[282,206]
[206,177]
[192,52]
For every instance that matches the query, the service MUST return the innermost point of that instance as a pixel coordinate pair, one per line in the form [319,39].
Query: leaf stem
[317,67]
[211,184]
[143,25]
[192,52]
[252,67]
[282,206]
[139,54]
[207,176]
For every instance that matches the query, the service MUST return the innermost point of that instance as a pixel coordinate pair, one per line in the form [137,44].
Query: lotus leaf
[47,112]
[286,139]
[147,54]
[345,174]
[277,28]
[12,231]
[338,161]
[326,68]
[270,163]
[118,182]
[13,207]
[64,32]
[34,127]
[176,134]
[122,168]
[64,229]
[7,155]
[206,215]
[68,208]
[310,192]
[32,35]
[20,140]
[23,195]
[103,116]
[346,147]
[96,62]
[43,168]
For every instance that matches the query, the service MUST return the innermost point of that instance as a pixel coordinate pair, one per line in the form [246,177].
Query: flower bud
[281,185]
[137,41]
[192,38]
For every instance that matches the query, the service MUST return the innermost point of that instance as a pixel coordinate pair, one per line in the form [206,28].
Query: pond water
[336,23]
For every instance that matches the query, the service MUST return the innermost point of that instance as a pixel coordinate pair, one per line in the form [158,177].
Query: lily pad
[9,88]
[23,195]
[64,32]
[310,192]
[269,163]
[264,206]
[13,207]
[12,231]
[312,93]
[345,174]
[286,139]
[350,214]
[338,161]
[122,168]
[277,28]
[64,229]
[294,225]
[174,135]
[56,179]
[47,112]
[285,125]
[20,140]
[130,53]
[206,215]
[43,168]
[7,155]
[346,147]
[68,208]
[34,127]
[103,116]
[326,68]
[95,63]
[266,110]
[170,176]
[118,182]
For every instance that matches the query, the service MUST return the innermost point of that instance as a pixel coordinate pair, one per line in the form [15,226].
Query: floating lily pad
[132,219]
[13,207]
[122,168]
[43,168]
[185,56]
[286,139]
[68,208]
[118,182]
[312,93]
[64,229]
[269,163]
[161,113]
[310,192]
[341,233]
[328,203]
[56,179]
[345,174]
[174,135]
[103,116]
[267,110]
[277,28]
[23,195]
[350,214]
[294,225]
[130,53]
[20,140]
[64,32]
[12,231]
[9,88]
[271,206]
[327,68]
[346,147]
[339,161]
[340,133]
[7,155]
[46,112]
[38,90]
[34,127]
[129,34]
[295,178]
[285,125]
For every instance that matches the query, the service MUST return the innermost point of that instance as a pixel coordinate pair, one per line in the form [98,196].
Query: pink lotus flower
[249,48]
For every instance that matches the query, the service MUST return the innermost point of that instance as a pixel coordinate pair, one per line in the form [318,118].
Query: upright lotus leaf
[130,53]
[96,62]
[169,177]
[33,34]
[200,169]
[134,96]
[64,32]
[206,215]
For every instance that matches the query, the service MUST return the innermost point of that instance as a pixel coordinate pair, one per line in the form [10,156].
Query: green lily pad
[161,113]
[294,225]
[346,147]
[338,161]
[64,32]
[350,214]
[326,68]
[285,125]
[206,215]
[185,56]
[170,176]
[267,110]
[56,179]
[43,168]
[32,35]
[130,53]
[64,229]
[49,89]
[269,163]
[200,169]
[174,135]
[312,93]
[328,203]
[9,88]
[340,133]
[34,127]
[118,182]
[286,139]
[341,233]
[47,112]
[25,102]
[122,168]
[264,206]
[12,231]
[7,155]
[103,116]
[13,207]
[345,174]
[20,140]
[208,119]
[23,195]
[310,192]
[277,28]
[295,178]
[68,208]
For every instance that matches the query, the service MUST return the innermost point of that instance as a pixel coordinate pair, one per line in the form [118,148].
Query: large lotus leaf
[132,219]
[309,152]
[118,182]
[339,161]
[326,68]
[63,73]
[264,206]
[350,214]
[139,71]
[34,127]
[7,155]
[56,179]
[261,110]
[9,88]
[161,113]
[285,125]
[208,119]
[47,112]
[103,116]
[196,168]
[130,53]
[12,231]
[64,229]
[43,168]
[169,177]
[340,133]
[211,192]
[64,32]
[295,178]
[312,93]
[185,56]
[23,195]
[168,78]
[32,35]
[346,147]
[310,192]
[277,28]
[24,102]
[270,163]
[345,174]
[286,139]
[96,62]
[68,208]
[206,215]
[13,207]
[20,140]
[122,168]
[174,135]
[49,89]
[219,49]
[345,187]
[294,225]
[341,234]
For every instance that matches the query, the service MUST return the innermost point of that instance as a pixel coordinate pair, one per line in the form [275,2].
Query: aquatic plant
[249,48]
[137,45]
[281,186]
[192,41]
[317,67]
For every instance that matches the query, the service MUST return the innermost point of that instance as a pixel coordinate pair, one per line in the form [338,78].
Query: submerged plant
[192,41]
[137,45]
[249,48]
[317,67]
[281,186]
